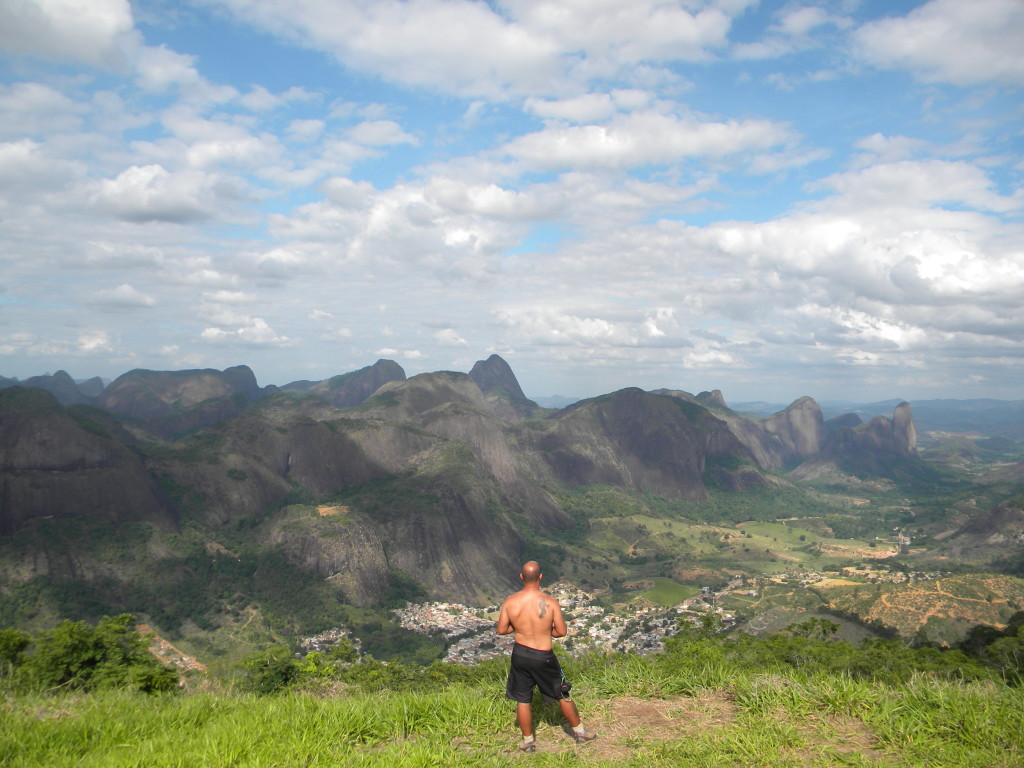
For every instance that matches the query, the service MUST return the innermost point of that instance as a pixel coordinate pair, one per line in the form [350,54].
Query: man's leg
[569,711]
[524,716]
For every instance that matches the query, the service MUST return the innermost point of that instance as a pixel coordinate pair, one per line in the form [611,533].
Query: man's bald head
[531,572]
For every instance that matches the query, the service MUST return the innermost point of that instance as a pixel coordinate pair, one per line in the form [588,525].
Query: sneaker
[583,738]
[531,747]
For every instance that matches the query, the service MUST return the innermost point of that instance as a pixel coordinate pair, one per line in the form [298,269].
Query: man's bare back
[535,618]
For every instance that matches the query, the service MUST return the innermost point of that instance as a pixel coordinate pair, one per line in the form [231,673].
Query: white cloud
[964,43]
[913,184]
[646,138]
[582,109]
[305,131]
[259,99]
[35,108]
[449,337]
[230,297]
[91,32]
[119,255]
[27,167]
[380,133]
[520,47]
[123,296]
[255,334]
[791,33]
[151,193]
[405,354]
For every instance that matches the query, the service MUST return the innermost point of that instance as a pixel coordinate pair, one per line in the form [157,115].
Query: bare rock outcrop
[801,426]
[338,547]
[60,463]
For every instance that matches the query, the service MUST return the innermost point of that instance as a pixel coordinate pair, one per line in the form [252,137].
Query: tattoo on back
[542,607]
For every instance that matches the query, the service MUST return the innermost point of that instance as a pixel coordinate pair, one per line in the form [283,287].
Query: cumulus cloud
[796,29]
[950,41]
[151,193]
[26,166]
[380,133]
[449,337]
[36,108]
[90,33]
[520,47]
[123,296]
[640,139]
[405,354]
[256,333]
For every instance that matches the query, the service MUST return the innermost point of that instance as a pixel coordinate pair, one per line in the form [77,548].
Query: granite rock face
[801,426]
[56,463]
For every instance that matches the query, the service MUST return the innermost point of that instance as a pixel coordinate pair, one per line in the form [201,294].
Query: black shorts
[530,668]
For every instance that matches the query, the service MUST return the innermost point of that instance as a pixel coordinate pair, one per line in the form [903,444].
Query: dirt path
[625,726]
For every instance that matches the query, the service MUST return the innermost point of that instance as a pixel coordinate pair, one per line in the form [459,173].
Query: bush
[271,670]
[112,654]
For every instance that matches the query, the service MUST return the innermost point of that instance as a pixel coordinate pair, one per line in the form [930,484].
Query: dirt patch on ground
[327,511]
[625,725]
[840,736]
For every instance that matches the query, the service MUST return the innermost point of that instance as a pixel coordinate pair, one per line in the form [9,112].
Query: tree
[816,628]
[13,643]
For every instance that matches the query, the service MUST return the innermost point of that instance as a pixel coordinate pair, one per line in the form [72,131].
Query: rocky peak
[60,384]
[496,380]
[495,375]
[712,398]
[800,426]
[350,389]
[904,433]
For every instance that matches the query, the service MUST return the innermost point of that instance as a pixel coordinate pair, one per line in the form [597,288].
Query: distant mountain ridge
[442,476]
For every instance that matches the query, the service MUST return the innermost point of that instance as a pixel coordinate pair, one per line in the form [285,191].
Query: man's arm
[558,628]
[504,622]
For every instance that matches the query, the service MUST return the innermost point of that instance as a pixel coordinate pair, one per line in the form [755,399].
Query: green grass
[703,703]
[667,592]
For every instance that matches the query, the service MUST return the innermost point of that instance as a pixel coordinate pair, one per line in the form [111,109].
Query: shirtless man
[536,618]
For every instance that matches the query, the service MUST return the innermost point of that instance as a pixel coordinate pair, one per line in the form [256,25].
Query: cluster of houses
[328,639]
[472,635]
[450,620]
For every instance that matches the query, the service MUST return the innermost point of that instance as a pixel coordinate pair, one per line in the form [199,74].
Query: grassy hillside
[789,701]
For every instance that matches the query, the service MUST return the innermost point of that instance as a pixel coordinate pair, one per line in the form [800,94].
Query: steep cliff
[881,448]
[780,440]
[56,462]
[635,439]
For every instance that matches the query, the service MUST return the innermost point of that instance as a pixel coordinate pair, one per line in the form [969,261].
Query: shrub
[110,655]
[271,670]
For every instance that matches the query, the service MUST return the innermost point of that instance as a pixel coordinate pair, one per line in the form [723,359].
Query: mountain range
[443,476]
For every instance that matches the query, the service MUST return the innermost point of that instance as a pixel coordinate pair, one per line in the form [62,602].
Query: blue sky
[774,199]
